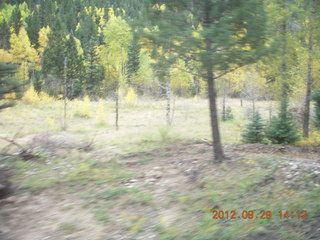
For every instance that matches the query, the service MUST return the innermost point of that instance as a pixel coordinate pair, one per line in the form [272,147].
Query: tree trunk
[65,93]
[306,112]
[117,109]
[168,98]
[217,146]
[285,86]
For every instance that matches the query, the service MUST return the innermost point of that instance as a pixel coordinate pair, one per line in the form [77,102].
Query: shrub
[228,116]
[312,140]
[254,132]
[83,108]
[131,99]
[283,129]
[33,97]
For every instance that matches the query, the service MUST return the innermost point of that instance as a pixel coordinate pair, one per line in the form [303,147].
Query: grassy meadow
[150,181]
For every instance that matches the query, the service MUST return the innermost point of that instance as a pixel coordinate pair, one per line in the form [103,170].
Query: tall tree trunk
[285,86]
[306,112]
[65,93]
[217,146]
[168,99]
[117,108]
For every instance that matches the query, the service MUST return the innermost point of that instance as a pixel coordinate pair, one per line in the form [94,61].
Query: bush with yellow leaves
[32,97]
[101,115]
[312,140]
[131,99]
[82,108]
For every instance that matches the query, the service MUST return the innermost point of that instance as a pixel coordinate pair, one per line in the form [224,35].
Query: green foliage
[16,19]
[94,74]
[54,54]
[283,129]
[8,85]
[316,99]
[4,35]
[74,54]
[228,116]
[254,132]
[133,60]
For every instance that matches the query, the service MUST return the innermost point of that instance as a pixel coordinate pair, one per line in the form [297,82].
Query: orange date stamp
[259,214]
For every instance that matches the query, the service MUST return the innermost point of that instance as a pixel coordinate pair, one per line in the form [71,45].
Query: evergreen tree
[74,54]
[254,132]
[94,71]
[16,20]
[8,85]
[228,115]
[4,35]
[33,28]
[68,14]
[219,34]
[54,53]
[133,60]
[316,98]
[283,129]
[86,31]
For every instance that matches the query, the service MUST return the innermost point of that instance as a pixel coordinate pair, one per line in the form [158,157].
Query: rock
[154,174]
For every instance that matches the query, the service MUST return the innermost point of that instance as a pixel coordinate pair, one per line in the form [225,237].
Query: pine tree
[219,34]
[254,132]
[283,129]
[54,53]
[74,54]
[133,61]
[94,71]
[16,19]
[8,85]
[33,28]
[228,115]
[4,35]
[316,99]
[87,29]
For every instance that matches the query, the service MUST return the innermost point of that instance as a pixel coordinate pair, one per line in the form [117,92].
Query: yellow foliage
[83,108]
[10,96]
[21,49]
[32,97]
[312,140]
[5,56]
[131,98]
[43,39]
[101,114]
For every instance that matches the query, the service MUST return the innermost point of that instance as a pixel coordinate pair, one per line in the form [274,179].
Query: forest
[159,119]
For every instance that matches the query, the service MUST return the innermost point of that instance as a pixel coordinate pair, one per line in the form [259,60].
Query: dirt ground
[59,212]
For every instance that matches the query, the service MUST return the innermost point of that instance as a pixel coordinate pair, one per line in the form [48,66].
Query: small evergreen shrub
[228,116]
[283,129]
[316,98]
[254,132]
